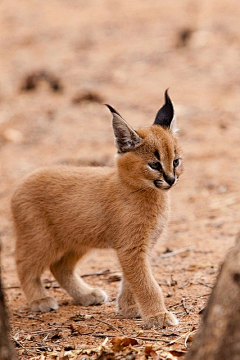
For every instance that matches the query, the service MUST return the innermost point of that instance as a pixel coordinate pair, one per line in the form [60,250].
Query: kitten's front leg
[146,290]
[127,306]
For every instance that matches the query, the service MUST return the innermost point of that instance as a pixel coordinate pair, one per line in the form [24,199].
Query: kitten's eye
[176,162]
[155,165]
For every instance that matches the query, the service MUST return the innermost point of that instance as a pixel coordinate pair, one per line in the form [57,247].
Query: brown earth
[60,60]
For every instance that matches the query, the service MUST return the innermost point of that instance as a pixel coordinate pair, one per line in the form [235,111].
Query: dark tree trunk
[7,351]
[218,337]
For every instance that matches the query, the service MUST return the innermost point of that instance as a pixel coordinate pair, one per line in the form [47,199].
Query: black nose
[169,179]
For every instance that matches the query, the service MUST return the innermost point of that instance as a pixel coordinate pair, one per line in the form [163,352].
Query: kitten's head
[149,157]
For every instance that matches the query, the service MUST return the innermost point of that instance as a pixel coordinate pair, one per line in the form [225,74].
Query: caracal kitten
[62,212]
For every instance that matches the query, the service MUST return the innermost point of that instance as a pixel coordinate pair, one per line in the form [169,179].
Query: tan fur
[62,212]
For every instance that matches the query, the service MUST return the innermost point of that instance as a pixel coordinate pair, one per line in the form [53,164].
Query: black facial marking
[157,155]
[157,183]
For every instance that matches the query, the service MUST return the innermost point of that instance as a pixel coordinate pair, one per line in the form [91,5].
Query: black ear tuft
[113,111]
[165,115]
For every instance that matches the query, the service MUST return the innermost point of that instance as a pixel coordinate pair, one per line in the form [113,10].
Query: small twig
[101,347]
[179,251]
[132,337]
[21,345]
[44,332]
[207,285]
[184,306]
[46,337]
[101,335]
[107,323]
[32,332]
[29,317]
[10,287]
[163,334]
[184,336]
[176,340]
[187,337]
[195,297]
[150,339]
[174,306]
[200,296]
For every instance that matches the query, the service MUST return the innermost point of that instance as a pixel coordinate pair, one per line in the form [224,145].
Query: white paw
[95,297]
[44,305]
[160,320]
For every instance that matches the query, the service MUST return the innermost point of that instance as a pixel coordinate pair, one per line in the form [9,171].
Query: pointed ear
[126,138]
[165,116]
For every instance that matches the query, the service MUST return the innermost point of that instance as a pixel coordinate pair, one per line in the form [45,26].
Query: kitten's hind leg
[127,305]
[82,293]
[29,272]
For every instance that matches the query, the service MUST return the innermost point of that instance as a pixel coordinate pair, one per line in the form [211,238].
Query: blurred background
[60,61]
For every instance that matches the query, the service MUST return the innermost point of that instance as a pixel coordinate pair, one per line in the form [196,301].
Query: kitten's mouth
[159,184]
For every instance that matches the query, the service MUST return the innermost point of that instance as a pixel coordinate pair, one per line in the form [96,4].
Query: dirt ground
[60,61]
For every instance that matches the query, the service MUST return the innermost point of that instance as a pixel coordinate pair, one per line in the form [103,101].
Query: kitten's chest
[159,223]
[158,229]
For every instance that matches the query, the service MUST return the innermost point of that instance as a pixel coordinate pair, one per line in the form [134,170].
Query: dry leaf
[119,343]
[149,351]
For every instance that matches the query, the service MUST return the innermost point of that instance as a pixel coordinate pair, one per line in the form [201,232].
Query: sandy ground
[60,61]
